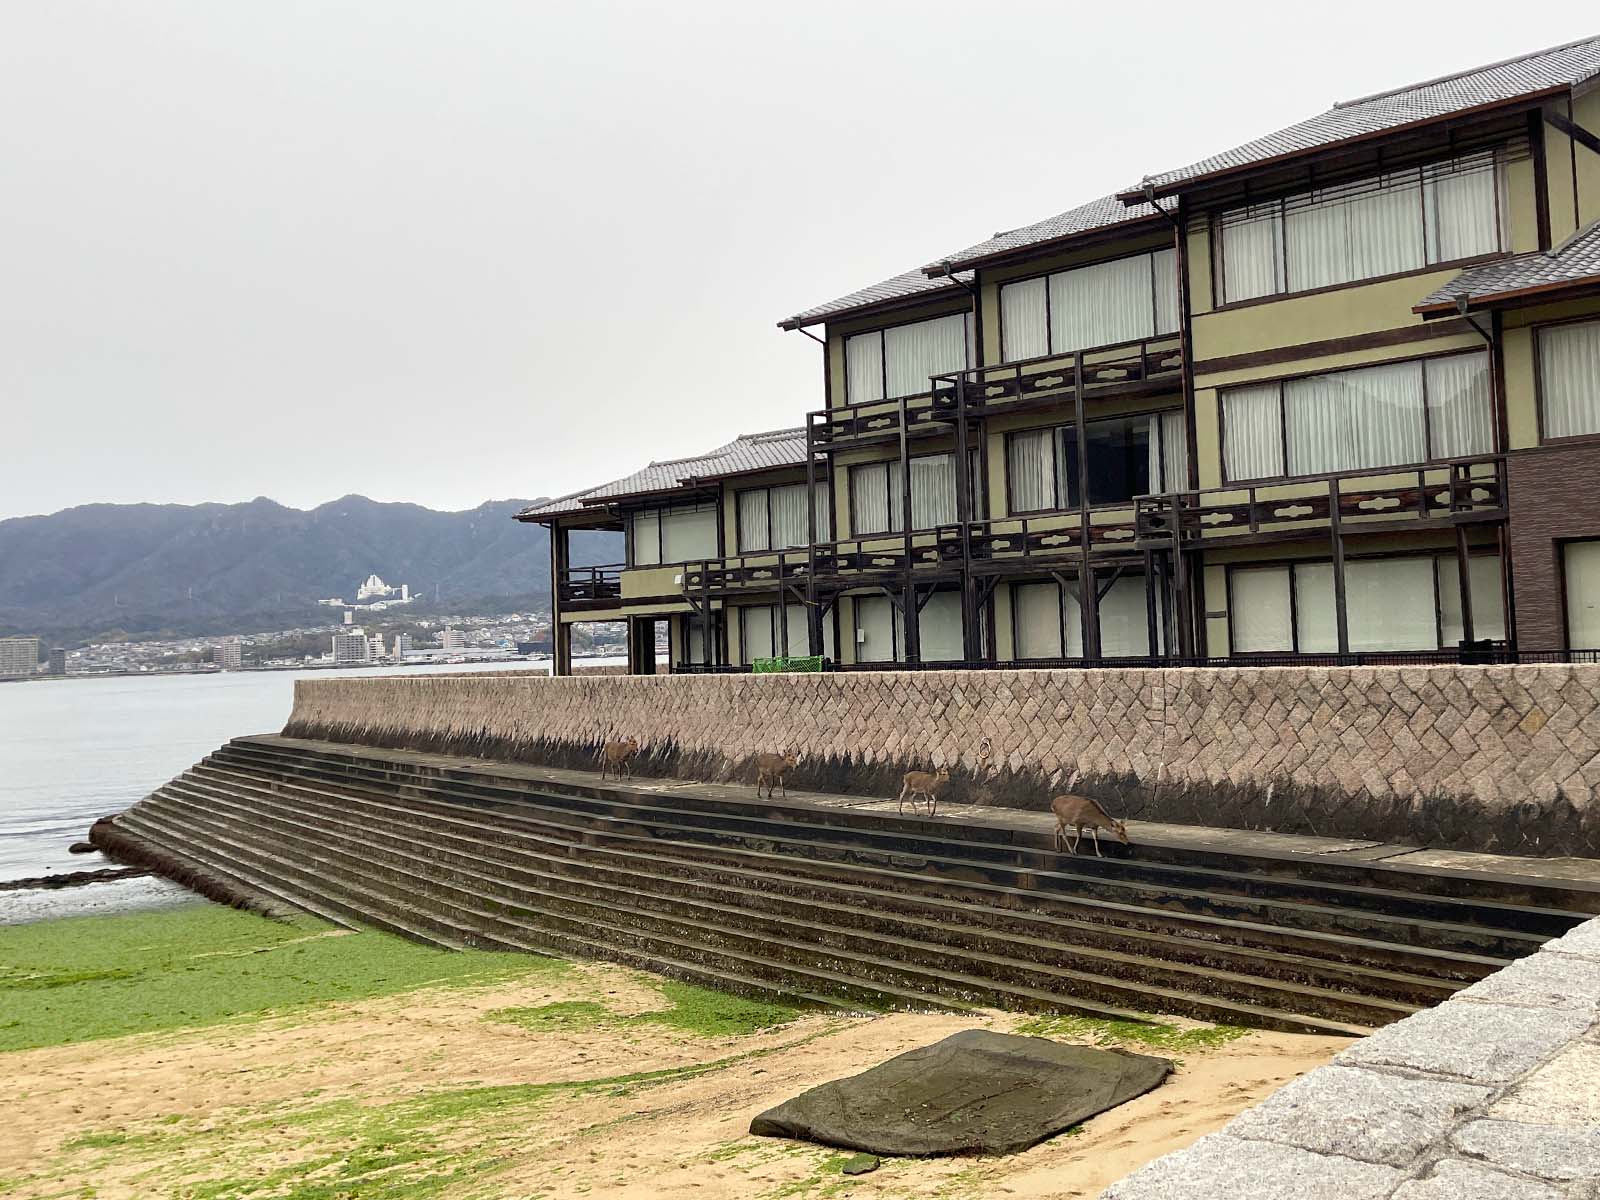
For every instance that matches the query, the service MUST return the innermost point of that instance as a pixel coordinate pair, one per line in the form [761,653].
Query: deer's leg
[1094,832]
[1061,833]
[1077,836]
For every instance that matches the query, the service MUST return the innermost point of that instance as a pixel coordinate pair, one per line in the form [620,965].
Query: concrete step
[1034,934]
[812,929]
[1048,874]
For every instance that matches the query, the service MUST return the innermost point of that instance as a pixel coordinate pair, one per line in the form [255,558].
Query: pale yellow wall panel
[1522,198]
[651,581]
[1559,164]
[1522,409]
[1208,437]
[1200,291]
[1586,112]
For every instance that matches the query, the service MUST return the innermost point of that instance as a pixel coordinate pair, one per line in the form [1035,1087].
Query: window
[894,362]
[674,535]
[1384,416]
[1410,603]
[880,630]
[1127,456]
[1569,379]
[1047,620]
[1124,300]
[694,645]
[775,518]
[939,628]
[877,496]
[1580,564]
[1384,225]
[761,633]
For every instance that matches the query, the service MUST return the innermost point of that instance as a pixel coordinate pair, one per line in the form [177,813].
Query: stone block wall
[1482,758]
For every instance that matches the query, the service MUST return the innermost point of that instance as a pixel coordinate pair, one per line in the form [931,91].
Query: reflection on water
[74,750]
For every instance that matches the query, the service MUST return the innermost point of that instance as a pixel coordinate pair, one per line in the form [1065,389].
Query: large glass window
[939,628]
[683,533]
[1124,300]
[761,633]
[880,631]
[1402,603]
[1127,457]
[1569,379]
[775,518]
[1384,225]
[877,497]
[1047,621]
[1383,416]
[894,362]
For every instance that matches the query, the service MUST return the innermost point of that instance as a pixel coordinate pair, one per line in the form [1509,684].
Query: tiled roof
[747,452]
[1559,67]
[912,283]
[1086,218]
[1575,261]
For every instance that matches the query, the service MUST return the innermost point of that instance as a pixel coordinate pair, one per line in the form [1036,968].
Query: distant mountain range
[152,570]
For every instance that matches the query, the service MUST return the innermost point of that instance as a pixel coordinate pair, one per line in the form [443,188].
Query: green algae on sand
[80,978]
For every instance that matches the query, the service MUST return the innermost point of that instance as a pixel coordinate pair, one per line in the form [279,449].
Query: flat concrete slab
[976,1092]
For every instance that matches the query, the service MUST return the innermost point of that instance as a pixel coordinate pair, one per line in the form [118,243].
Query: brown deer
[770,767]
[617,758]
[1083,812]
[923,783]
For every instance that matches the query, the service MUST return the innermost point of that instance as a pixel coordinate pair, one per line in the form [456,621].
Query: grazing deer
[770,767]
[1083,812]
[617,758]
[923,783]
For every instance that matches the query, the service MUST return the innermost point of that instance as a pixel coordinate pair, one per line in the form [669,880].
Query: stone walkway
[1493,1095]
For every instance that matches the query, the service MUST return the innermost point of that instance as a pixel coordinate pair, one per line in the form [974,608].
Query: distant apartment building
[402,645]
[1330,395]
[228,655]
[58,660]
[351,648]
[452,639]
[19,656]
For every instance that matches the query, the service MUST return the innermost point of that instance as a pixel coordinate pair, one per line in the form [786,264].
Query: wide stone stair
[838,907]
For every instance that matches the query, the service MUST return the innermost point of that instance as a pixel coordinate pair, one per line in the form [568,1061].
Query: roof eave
[1565,289]
[1177,187]
[1002,258]
[801,321]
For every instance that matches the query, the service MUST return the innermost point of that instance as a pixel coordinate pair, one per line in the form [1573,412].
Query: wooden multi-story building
[1333,392]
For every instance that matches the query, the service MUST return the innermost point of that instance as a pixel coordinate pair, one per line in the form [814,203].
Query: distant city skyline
[493,244]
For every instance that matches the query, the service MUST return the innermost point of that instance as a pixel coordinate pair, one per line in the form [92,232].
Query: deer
[770,767]
[617,758]
[923,783]
[1083,812]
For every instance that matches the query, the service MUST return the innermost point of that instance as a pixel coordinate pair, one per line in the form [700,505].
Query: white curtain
[1316,242]
[869,499]
[863,368]
[1488,608]
[1389,604]
[788,506]
[799,643]
[1252,441]
[1260,609]
[1030,463]
[1164,276]
[1350,420]
[1124,619]
[914,352]
[1024,324]
[1037,620]
[1386,228]
[939,628]
[1463,217]
[646,538]
[1460,419]
[933,491]
[1169,452]
[753,520]
[824,501]
[1569,379]
[1100,305]
[755,632]
[1316,615]
[1252,251]
[1580,563]
[688,534]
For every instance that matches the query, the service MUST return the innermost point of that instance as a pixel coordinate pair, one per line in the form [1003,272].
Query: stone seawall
[1482,758]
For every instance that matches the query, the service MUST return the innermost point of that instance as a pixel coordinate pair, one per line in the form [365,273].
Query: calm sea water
[75,750]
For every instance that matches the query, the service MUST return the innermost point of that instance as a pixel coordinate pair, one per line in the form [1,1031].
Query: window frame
[1538,381]
[1049,333]
[822,486]
[1055,450]
[888,465]
[713,504]
[1435,557]
[1283,423]
[969,342]
[1505,153]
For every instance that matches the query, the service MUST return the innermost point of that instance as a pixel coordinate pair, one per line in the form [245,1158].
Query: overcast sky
[450,252]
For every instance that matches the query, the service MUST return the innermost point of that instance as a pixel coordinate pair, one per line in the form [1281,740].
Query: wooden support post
[1336,531]
[1088,602]
[561,649]
[1152,626]
[969,613]
[1464,574]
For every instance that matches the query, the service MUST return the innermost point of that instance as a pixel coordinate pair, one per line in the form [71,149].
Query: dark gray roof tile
[1575,261]
[901,287]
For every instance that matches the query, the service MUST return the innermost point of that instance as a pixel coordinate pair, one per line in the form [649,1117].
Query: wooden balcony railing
[590,585]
